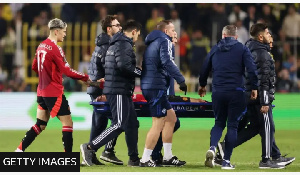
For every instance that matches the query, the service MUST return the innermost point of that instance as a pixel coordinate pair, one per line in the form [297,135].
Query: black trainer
[218,161]
[95,160]
[87,155]
[270,165]
[174,161]
[283,160]
[134,163]
[149,163]
[226,165]
[111,157]
[221,149]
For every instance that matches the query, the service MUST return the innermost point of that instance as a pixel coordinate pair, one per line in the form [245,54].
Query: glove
[183,87]
[138,71]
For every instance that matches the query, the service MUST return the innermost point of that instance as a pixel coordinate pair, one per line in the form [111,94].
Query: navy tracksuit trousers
[124,118]
[262,124]
[228,109]
[99,124]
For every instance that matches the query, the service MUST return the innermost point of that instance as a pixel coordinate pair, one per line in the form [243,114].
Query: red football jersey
[138,98]
[50,64]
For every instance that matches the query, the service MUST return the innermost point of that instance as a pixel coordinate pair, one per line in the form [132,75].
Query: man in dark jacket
[110,26]
[120,72]
[259,112]
[156,155]
[157,66]
[261,109]
[227,60]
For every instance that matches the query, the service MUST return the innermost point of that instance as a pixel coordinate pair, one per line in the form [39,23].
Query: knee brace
[41,122]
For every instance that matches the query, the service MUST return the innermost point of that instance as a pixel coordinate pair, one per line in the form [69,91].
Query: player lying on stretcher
[140,97]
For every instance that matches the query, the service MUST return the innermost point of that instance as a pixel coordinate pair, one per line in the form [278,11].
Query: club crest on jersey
[164,111]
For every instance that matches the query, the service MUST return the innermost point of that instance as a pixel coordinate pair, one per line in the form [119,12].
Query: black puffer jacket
[120,66]
[266,72]
[96,69]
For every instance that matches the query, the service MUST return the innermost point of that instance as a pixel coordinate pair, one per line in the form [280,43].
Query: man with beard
[259,112]
[120,73]
[110,26]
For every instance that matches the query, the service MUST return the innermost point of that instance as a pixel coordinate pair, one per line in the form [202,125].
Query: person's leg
[42,119]
[156,154]
[275,154]
[167,137]
[67,132]
[167,133]
[275,150]
[119,108]
[158,119]
[236,108]
[61,109]
[120,115]
[131,135]
[220,108]
[99,123]
[265,134]
[244,132]
[152,137]
[252,129]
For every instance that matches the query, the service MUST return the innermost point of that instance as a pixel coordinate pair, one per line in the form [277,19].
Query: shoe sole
[227,168]
[221,151]
[148,166]
[217,164]
[271,168]
[111,161]
[209,161]
[83,155]
[172,165]
[287,163]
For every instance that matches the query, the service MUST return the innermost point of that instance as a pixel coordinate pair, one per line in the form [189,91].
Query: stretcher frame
[182,109]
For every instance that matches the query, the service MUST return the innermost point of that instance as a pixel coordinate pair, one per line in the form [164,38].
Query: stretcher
[182,109]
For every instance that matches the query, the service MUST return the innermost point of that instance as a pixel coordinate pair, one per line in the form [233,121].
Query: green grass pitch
[190,143]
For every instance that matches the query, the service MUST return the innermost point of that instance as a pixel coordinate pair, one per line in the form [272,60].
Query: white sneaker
[18,150]
[209,161]
[83,163]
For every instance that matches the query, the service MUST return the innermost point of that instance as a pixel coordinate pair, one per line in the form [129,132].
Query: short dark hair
[131,25]
[257,28]
[162,24]
[107,22]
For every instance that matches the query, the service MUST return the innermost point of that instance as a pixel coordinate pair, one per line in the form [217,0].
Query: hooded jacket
[120,66]
[158,65]
[96,69]
[227,60]
[266,71]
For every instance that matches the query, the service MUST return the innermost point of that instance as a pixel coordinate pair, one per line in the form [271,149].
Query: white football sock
[167,151]
[146,155]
